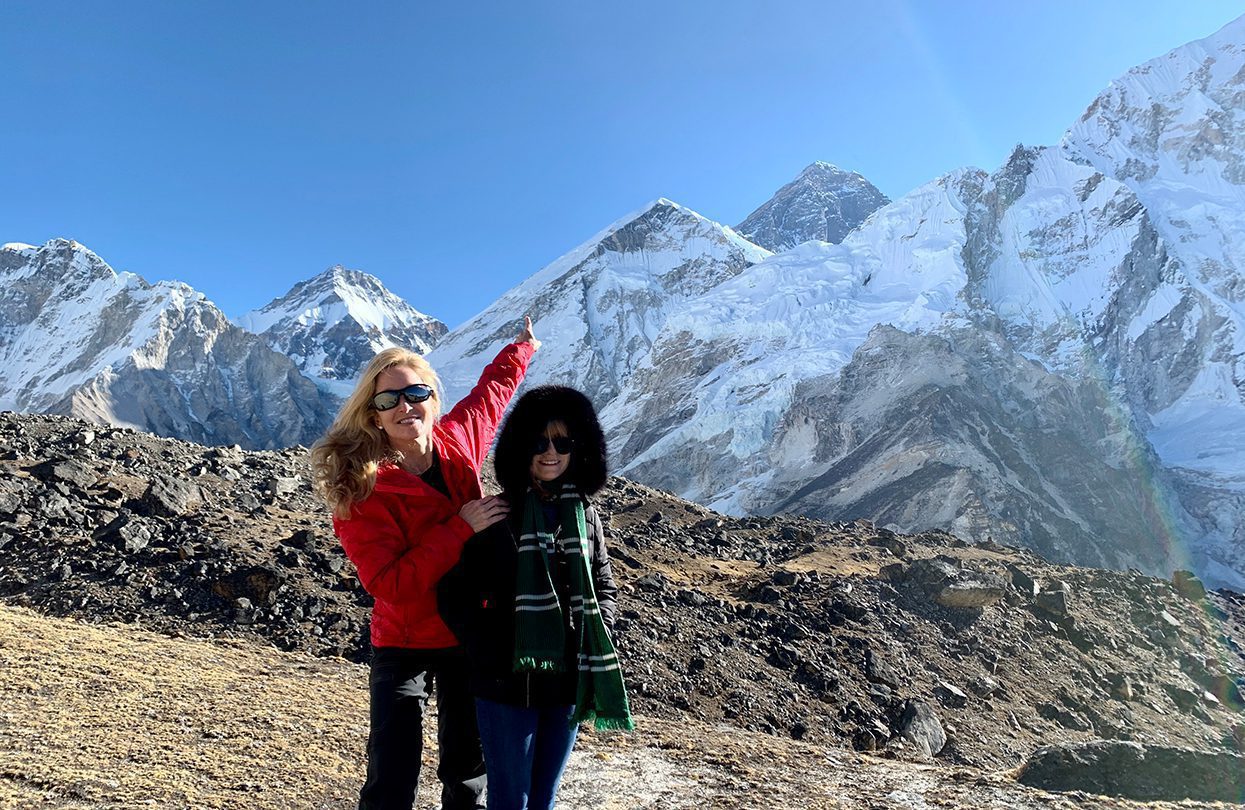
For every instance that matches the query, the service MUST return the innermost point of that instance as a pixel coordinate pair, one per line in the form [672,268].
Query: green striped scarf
[539,626]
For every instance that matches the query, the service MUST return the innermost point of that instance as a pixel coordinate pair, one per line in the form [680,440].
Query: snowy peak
[659,223]
[824,202]
[1177,116]
[309,300]
[598,307]
[64,260]
[332,324]
[661,243]
[821,173]
[666,225]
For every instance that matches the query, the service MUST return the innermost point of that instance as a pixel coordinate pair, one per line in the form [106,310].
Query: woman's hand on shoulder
[484,512]
[526,335]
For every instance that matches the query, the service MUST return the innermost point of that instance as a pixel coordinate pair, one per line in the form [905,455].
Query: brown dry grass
[113,716]
[94,717]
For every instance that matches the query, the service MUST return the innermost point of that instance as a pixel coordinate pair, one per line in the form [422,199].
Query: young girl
[532,599]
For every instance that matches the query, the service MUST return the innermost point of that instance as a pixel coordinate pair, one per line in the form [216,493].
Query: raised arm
[476,416]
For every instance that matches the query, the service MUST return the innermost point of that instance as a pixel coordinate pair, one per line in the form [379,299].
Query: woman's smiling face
[549,464]
[407,423]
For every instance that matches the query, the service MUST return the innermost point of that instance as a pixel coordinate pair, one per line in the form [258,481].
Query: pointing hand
[526,335]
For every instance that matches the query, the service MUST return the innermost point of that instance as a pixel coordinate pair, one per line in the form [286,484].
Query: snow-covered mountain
[863,380]
[78,338]
[704,407]
[332,324]
[823,203]
[600,305]
[1049,354]
[1173,132]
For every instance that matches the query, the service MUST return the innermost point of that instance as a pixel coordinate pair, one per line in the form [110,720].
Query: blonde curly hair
[345,460]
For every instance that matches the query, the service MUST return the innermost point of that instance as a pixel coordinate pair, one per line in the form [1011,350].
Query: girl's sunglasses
[561,444]
[413,394]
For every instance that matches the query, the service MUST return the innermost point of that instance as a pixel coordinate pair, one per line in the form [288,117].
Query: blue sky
[453,150]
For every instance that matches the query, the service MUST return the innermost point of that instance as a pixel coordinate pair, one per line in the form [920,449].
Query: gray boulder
[66,470]
[976,592]
[1053,602]
[919,725]
[171,497]
[950,585]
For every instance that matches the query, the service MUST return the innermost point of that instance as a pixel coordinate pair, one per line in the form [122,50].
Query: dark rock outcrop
[1135,771]
[823,203]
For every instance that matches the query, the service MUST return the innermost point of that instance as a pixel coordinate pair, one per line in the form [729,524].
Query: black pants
[400,683]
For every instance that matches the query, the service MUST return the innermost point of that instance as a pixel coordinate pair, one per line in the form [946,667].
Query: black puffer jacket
[476,600]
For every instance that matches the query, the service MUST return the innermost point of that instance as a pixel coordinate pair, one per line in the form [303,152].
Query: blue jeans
[526,751]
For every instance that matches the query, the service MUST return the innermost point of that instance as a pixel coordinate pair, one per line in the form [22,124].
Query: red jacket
[406,535]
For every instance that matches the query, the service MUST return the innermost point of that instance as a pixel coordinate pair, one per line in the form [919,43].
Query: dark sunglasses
[561,444]
[413,394]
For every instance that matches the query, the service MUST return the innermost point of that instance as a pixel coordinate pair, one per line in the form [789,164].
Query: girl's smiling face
[548,464]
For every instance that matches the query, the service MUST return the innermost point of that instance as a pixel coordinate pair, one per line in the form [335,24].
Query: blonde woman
[403,482]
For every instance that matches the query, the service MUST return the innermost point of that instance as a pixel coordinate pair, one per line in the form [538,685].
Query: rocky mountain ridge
[79,338]
[824,203]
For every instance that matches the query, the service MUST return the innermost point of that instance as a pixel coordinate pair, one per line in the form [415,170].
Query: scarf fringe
[602,722]
[614,724]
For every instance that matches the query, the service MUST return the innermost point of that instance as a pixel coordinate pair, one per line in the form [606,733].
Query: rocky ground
[914,648]
[109,716]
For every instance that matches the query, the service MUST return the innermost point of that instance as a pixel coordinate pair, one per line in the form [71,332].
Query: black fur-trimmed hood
[528,419]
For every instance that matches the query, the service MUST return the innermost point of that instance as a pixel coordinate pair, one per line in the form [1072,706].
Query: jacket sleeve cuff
[524,351]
